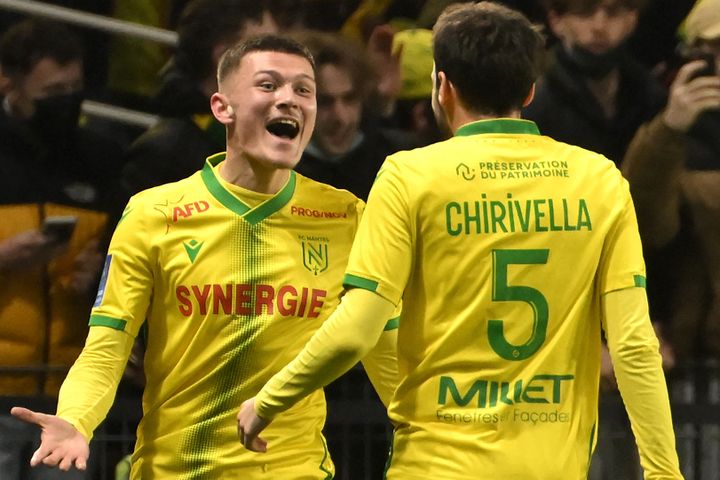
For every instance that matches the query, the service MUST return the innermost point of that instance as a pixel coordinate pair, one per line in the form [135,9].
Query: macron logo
[193,248]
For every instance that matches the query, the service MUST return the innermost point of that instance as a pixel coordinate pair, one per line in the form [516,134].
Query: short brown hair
[490,53]
[231,59]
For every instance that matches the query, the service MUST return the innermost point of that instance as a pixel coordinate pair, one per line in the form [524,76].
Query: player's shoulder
[313,191]
[582,159]
[166,192]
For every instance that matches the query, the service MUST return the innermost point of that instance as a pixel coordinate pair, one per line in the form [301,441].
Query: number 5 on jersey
[502,292]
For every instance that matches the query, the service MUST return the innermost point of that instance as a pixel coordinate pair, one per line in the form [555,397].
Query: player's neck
[463,117]
[253,176]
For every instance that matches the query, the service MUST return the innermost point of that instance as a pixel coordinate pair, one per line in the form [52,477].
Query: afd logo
[189,209]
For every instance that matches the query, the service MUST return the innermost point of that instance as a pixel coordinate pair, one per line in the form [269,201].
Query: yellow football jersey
[500,243]
[228,285]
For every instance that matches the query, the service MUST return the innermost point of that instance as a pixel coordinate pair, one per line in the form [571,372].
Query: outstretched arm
[85,398]
[350,332]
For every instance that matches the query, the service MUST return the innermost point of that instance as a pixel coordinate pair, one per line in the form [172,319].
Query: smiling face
[272,108]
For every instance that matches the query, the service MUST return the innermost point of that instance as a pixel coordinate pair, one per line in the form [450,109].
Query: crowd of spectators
[620,79]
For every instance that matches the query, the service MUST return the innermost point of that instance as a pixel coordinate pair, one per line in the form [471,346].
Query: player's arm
[89,389]
[634,349]
[86,396]
[350,332]
[381,361]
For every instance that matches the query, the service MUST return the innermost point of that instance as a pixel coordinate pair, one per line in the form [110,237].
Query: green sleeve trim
[392,324]
[103,321]
[359,282]
[640,281]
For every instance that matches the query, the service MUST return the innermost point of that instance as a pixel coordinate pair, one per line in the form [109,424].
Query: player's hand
[61,445]
[250,425]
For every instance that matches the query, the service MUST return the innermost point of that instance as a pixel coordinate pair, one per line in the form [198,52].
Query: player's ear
[221,108]
[530,96]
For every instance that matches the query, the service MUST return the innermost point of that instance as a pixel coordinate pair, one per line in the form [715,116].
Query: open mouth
[284,128]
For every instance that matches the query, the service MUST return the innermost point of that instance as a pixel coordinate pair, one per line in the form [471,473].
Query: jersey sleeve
[638,367]
[126,284]
[621,263]
[89,389]
[381,256]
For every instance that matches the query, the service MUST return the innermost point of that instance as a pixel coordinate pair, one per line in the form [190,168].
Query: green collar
[230,201]
[501,125]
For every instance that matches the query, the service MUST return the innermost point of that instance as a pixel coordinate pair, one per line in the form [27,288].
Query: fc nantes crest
[315,255]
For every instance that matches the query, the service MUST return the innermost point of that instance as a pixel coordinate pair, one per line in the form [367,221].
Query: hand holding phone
[59,229]
[709,70]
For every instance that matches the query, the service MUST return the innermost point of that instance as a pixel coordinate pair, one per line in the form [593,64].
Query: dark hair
[334,49]
[562,7]
[204,24]
[265,43]
[24,44]
[490,53]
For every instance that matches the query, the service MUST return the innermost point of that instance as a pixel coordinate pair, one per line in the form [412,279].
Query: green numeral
[502,292]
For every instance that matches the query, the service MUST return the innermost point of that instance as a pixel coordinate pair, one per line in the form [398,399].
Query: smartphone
[709,70]
[59,228]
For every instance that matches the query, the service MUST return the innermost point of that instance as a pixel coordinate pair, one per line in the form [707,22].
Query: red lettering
[182,293]
[303,302]
[222,299]
[202,297]
[201,206]
[289,308]
[178,212]
[264,295]
[316,302]
[242,299]
[293,209]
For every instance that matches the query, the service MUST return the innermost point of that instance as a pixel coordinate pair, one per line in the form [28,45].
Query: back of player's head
[490,53]
[26,43]
[231,59]
[204,24]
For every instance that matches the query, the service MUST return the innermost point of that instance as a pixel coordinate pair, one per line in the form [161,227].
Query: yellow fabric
[88,391]
[381,362]
[134,63]
[41,326]
[368,9]
[229,285]
[634,349]
[352,330]
[501,243]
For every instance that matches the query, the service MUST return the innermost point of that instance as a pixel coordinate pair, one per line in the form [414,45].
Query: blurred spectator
[673,166]
[594,94]
[413,109]
[187,134]
[49,166]
[348,145]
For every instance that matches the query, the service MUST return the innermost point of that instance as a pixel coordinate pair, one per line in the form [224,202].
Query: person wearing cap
[673,166]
